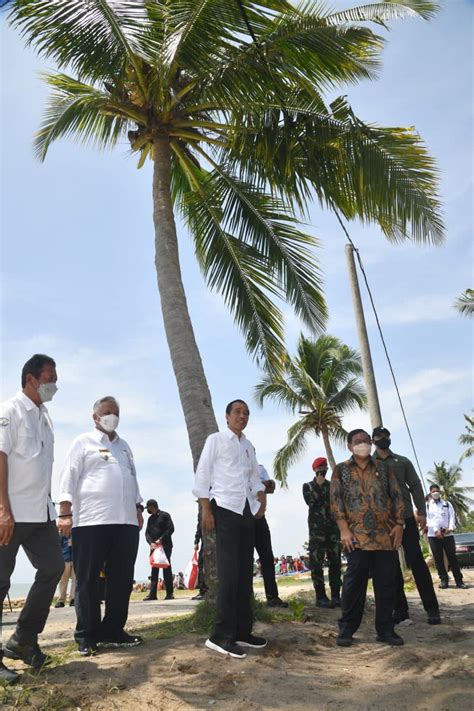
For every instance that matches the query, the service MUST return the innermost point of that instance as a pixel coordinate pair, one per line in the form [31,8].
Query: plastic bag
[158,558]
[191,573]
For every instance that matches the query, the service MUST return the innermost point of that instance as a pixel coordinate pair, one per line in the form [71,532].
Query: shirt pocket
[28,445]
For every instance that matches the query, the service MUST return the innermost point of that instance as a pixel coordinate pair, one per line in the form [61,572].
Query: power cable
[348,237]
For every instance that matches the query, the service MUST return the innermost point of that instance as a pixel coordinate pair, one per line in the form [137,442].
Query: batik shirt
[369,500]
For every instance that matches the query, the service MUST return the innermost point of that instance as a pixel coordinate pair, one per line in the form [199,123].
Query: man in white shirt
[231,496]
[99,483]
[441,522]
[26,510]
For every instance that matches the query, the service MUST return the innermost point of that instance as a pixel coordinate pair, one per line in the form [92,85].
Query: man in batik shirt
[367,504]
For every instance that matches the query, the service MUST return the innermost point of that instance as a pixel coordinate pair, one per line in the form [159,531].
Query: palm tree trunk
[185,357]
[327,447]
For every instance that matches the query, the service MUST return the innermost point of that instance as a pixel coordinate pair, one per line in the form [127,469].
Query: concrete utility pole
[367,365]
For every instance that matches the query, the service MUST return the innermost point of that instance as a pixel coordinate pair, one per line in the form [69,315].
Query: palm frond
[292,450]
[279,391]
[240,272]
[264,222]
[382,12]
[95,38]
[465,303]
[81,111]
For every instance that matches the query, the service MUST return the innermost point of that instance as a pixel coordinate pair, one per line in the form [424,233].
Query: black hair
[229,407]
[435,486]
[380,431]
[353,433]
[34,366]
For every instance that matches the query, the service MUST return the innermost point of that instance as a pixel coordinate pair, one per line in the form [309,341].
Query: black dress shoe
[71,603]
[149,597]
[463,586]
[393,639]
[59,604]
[336,601]
[198,597]
[344,640]
[443,585]
[8,676]
[169,597]
[324,602]
[276,602]
[28,653]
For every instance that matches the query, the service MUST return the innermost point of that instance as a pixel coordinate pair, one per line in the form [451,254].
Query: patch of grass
[297,607]
[40,695]
[286,582]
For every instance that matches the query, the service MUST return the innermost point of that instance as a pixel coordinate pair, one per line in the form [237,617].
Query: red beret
[319,462]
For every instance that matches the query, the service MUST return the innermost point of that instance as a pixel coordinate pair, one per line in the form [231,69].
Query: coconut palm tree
[226,98]
[465,303]
[448,478]
[321,384]
[467,439]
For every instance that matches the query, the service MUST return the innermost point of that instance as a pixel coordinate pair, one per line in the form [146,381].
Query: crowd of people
[372,506]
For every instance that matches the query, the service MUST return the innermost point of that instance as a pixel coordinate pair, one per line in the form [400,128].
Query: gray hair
[107,398]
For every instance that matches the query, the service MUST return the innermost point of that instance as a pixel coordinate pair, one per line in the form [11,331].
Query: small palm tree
[322,384]
[467,439]
[448,479]
[465,303]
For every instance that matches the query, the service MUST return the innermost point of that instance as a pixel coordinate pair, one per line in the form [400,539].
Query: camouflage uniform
[324,539]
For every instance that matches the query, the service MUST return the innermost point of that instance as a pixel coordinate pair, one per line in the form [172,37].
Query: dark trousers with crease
[113,547]
[167,572]
[263,546]
[421,573]
[235,539]
[41,543]
[447,545]
[383,568]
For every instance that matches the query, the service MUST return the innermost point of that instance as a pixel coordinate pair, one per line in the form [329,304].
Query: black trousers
[41,543]
[113,547]
[421,573]
[235,539]
[263,545]
[445,545]
[167,572]
[201,581]
[383,567]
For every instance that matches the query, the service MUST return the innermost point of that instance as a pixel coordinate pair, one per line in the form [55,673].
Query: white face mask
[108,422]
[47,391]
[362,450]
[436,495]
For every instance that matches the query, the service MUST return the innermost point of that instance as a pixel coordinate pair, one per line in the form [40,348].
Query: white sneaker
[223,647]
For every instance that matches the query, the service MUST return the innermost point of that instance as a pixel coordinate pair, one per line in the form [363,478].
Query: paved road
[61,622]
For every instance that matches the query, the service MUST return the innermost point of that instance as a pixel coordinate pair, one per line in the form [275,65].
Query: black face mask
[383,443]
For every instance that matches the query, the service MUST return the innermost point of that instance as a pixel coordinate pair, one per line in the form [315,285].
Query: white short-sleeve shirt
[100,480]
[27,438]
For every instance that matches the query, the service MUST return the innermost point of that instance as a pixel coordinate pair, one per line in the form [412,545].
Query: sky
[78,283]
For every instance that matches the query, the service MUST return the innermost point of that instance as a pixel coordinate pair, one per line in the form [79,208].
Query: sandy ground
[301,668]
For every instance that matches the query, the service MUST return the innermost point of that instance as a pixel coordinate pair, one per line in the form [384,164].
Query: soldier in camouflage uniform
[324,538]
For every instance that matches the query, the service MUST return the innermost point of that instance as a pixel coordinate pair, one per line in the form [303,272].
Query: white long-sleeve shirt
[27,438]
[228,472]
[440,514]
[100,480]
